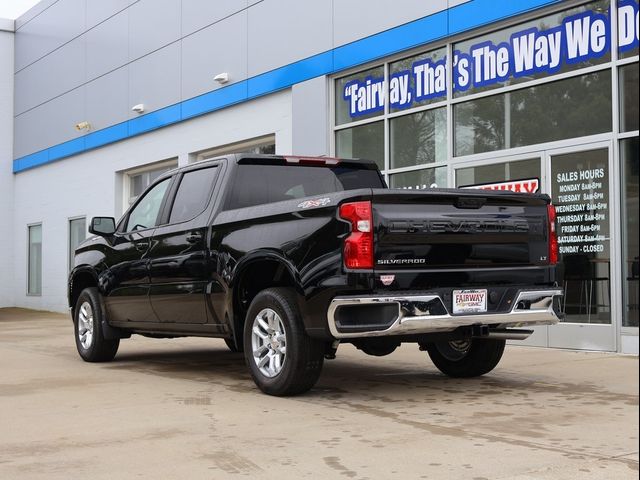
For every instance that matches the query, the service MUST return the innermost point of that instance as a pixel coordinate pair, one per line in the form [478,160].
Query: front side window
[34,282]
[193,194]
[145,213]
[77,235]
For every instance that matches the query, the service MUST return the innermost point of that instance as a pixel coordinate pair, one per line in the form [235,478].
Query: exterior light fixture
[221,78]
[139,108]
[83,126]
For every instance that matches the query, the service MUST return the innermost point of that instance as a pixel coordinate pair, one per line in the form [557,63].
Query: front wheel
[87,321]
[282,358]
[466,358]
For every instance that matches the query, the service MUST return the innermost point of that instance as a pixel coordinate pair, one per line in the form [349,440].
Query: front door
[127,279]
[578,181]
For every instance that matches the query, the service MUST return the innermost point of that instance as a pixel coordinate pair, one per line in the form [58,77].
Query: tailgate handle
[470,203]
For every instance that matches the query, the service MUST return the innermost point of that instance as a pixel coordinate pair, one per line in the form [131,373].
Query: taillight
[553,235]
[358,246]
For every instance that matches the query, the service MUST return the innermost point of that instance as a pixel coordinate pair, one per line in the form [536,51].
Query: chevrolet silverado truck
[287,257]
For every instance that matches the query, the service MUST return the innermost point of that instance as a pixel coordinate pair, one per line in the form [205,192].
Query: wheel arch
[253,274]
[80,278]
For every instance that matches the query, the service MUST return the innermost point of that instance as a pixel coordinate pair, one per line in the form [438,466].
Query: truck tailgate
[460,229]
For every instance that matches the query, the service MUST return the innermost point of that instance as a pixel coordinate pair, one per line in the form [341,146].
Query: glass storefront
[538,114]
[629,156]
[548,104]
[580,190]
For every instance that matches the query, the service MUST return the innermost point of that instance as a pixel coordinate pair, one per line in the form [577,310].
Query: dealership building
[98,98]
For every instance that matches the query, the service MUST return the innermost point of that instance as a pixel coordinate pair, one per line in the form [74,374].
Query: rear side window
[193,194]
[259,184]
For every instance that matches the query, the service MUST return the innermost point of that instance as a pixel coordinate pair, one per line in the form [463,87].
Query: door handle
[142,246]
[194,237]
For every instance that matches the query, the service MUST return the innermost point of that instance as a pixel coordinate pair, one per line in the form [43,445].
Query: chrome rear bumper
[413,316]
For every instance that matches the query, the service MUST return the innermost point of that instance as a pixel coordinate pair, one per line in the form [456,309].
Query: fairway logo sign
[580,37]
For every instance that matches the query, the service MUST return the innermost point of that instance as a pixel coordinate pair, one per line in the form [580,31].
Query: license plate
[469,301]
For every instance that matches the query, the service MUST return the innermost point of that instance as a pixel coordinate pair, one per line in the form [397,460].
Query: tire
[300,356]
[87,321]
[470,358]
[231,344]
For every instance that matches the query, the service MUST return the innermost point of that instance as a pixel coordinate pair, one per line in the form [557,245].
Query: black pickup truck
[286,257]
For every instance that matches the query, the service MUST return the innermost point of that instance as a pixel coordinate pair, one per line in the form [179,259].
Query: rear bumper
[421,314]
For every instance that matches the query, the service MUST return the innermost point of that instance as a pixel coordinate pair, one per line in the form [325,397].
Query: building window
[360,96]
[137,180]
[259,146]
[629,155]
[498,172]
[77,235]
[628,79]
[483,54]
[557,110]
[419,179]
[627,28]
[419,138]
[34,280]
[365,141]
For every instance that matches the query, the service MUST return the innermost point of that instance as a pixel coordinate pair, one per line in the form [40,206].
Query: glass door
[580,184]
[524,173]
[578,180]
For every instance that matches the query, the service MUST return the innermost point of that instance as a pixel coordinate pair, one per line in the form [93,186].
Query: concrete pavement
[186,408]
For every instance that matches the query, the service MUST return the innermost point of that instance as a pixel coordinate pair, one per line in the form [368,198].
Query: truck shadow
[345,377]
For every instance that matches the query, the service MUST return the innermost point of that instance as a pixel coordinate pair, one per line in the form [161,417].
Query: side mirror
[103,226]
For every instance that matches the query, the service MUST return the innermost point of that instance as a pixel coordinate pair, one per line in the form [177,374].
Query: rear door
[179,258]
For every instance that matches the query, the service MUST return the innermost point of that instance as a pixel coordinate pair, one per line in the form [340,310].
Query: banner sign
[580,37]
[530,185]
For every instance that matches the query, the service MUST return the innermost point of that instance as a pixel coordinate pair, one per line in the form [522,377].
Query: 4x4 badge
[319,202]
[387,279]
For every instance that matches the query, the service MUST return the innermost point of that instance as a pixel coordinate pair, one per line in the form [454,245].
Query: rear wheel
[282,358]
[88,317]
[466,358]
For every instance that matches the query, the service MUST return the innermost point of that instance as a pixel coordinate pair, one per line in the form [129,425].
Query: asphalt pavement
[186,408]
